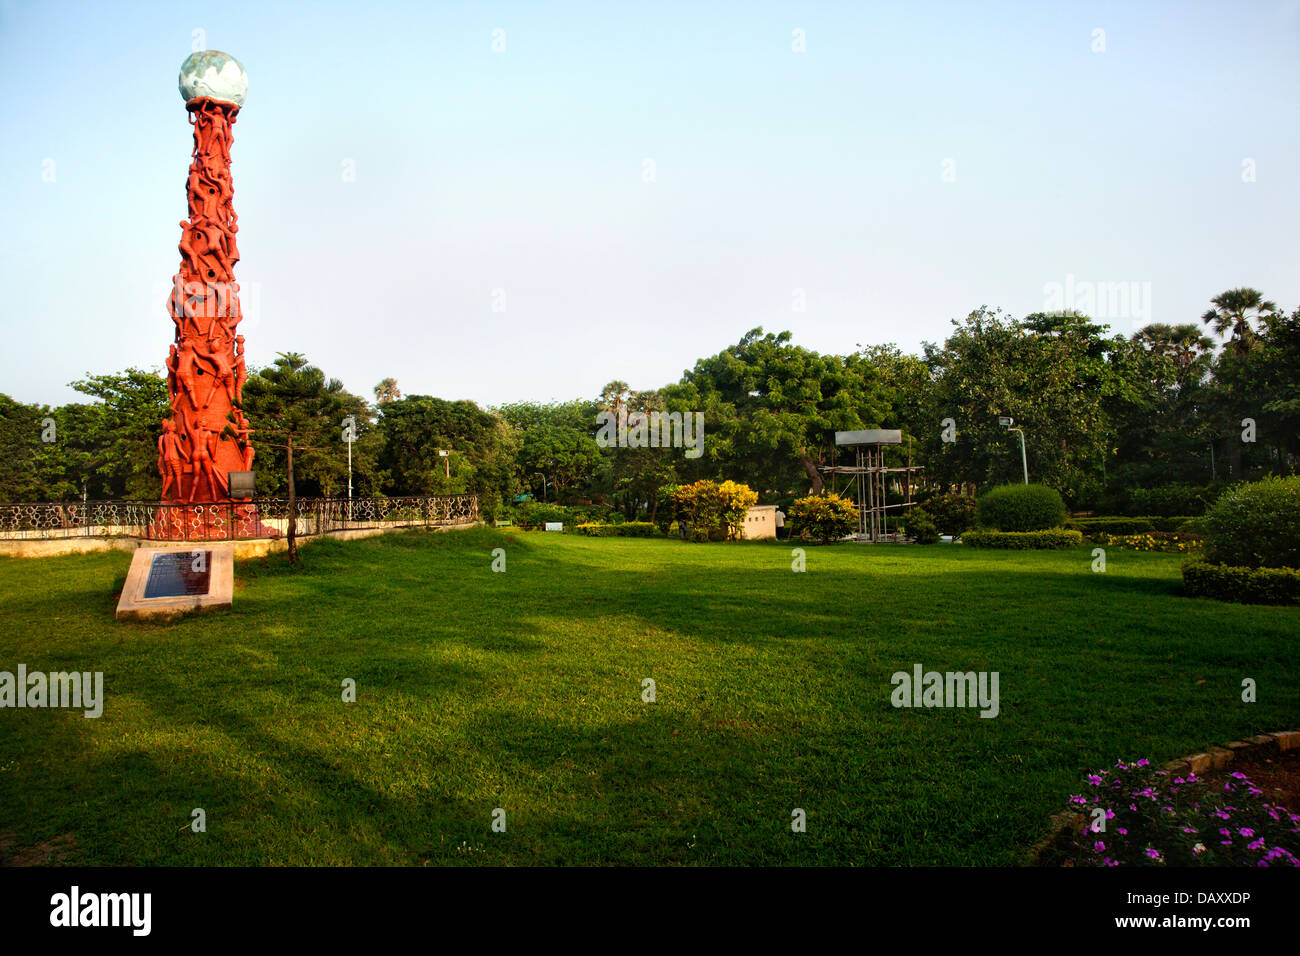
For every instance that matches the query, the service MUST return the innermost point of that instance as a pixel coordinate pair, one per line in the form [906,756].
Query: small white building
[760,522]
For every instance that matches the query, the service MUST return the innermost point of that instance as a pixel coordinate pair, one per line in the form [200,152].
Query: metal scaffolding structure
[869,476]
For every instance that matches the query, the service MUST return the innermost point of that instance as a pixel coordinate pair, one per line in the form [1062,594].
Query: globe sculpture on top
[214,75]
[205,435]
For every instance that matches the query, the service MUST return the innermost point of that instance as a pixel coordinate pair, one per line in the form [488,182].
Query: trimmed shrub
[823,517]
[1243,585]
[1021,508]
[627,529]
[1256,525]
[1024,540]
[920,526]
[952,514]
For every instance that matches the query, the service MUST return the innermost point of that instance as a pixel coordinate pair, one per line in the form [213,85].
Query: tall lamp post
[349,436]
[1024,461]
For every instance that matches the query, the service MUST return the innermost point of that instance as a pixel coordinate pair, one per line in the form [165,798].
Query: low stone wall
[253,548]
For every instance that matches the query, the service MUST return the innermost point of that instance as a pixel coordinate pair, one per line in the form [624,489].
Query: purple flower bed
[1155,818]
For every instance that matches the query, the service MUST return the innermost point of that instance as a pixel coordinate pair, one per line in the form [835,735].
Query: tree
[1231,313]
[557,441]
[772,408]
[115,440]
[29,466]
[479,443]
[387,391]
[291,405]
[1058,375]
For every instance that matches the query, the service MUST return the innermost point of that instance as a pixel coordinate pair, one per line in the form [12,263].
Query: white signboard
[555,526]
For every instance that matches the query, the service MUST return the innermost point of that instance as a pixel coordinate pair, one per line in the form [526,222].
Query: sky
[524,201]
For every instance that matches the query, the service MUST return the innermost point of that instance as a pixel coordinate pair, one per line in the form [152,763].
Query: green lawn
[522,690]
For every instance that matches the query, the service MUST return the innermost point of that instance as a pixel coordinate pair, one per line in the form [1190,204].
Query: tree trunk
[293,507]
[814,475]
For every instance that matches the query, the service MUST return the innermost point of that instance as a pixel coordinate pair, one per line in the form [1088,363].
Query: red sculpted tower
[206,436]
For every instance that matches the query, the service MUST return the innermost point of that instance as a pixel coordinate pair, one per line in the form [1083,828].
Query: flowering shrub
[1155,818]
[709,511]
[1167,541]
[826,517]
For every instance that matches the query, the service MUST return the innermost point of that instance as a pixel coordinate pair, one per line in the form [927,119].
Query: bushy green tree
[771,409]
[480,446]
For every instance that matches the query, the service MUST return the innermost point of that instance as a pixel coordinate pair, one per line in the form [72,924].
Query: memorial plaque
[239,484]
[166,582]
[177,574]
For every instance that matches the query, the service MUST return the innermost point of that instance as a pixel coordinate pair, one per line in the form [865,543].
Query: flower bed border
[1067,823]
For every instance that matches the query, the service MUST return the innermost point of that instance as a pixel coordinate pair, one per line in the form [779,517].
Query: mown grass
[522,690]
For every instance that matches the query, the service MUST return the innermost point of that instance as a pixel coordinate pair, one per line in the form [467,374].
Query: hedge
[1244,585]
[628,529]
[1111,525]
[1117,524]
[1022,540]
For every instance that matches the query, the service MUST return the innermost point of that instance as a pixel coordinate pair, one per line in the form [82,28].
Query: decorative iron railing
[229,521]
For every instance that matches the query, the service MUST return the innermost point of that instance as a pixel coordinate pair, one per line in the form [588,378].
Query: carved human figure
[203,455]
[171,369]
[200,263]
[241,370]
[185,375]
[223,375]
[171,458]
[245,446]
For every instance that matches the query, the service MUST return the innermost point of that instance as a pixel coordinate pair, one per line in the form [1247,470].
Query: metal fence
[229,521]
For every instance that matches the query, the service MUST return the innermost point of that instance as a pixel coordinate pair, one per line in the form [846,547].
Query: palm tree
[1230,314]
[1187,346]
[387,391]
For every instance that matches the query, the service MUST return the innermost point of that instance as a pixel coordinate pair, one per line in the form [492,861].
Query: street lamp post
[1024,461]
[349,436]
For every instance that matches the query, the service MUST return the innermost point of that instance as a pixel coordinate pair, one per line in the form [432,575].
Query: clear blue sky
[823,171]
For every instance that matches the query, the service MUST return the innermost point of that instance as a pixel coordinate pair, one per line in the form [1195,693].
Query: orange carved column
[206,436]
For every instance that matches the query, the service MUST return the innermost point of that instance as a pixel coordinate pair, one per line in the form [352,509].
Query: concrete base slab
[167,582]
